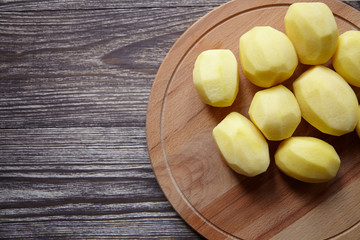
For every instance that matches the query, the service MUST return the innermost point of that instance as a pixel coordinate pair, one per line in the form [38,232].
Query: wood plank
[131,226]
[75,68]
[95,221]
[19,5]
[354,4]
[60,5]
[51,147]
[73,97]
[83,157]
[81,183]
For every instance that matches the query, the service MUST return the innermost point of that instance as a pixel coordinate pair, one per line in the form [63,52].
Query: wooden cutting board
[209,196]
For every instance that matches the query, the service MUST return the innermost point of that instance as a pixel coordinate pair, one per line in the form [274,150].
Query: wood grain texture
[75,77]
[214,200]
[81,183]
[19,5]
[59,70]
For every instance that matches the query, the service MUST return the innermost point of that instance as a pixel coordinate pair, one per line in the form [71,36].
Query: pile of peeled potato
[322,96]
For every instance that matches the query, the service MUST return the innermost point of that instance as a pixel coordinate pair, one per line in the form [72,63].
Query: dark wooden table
[75,77]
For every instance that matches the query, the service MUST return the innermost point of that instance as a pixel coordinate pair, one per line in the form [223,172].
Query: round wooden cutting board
[209,196]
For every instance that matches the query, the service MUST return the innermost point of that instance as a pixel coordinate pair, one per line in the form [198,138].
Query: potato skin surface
[216,77]
[312,29]
[307,159]
[346,60]
[242,145]
[275,112]
[267,56]
[326,101]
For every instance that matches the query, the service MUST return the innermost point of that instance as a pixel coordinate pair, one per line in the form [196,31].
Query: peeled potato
[312,29]
[275,112]
[307,159]
[242,145]
[216,77]
[346,60]
[267,56]
[327,101]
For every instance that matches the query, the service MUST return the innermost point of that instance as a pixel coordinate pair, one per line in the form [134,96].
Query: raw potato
[275,112]
[358,124]
[312,28]
[326,101]
[242,145]
[267,56]
[307,159]
[216,77]
[346,60]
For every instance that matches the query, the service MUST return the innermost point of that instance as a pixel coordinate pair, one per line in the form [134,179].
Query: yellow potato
[346,60]
[307,159]
[312,29]
[275,112]
[242,145]
[326,101]
[216,77]
[267,56]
